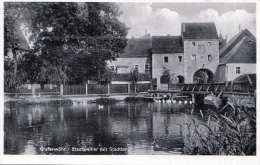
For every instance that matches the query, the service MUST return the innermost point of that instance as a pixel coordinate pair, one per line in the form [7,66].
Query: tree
[76,39]
[15,45]
[71,41]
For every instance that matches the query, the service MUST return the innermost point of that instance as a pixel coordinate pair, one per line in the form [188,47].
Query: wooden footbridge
[239,93]
[233,88]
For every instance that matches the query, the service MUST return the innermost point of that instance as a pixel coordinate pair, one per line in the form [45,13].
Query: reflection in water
[121,128]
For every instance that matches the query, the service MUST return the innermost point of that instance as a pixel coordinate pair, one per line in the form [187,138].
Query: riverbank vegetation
[229,131]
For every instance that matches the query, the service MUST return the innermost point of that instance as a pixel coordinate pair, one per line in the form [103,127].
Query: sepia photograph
[126,78]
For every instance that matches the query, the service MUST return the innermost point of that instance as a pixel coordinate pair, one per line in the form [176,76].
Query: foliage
[231,131]
[14,46]
[71,41]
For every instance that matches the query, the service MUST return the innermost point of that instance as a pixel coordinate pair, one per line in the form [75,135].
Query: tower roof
[206,30]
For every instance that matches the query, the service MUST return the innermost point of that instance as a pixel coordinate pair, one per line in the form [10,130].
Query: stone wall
[201,49]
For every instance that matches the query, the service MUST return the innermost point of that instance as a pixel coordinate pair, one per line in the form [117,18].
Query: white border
[129,159]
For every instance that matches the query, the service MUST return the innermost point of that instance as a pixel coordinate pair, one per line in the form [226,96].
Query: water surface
[89,128]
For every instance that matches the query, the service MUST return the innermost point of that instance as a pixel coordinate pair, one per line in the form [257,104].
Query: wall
[220,74]
[191,66]
[245,68]
[175,67]
[125,65]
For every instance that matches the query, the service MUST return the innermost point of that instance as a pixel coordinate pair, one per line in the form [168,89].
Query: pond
[89,128]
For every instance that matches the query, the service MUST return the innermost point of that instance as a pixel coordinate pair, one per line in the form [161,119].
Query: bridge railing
[216,87]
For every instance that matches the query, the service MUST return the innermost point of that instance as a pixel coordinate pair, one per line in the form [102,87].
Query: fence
[79,89]
[35,89]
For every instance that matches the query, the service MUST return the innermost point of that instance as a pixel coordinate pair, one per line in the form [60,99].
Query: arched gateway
[203,76]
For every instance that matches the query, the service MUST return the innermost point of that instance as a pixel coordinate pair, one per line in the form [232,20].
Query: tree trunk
[15,61]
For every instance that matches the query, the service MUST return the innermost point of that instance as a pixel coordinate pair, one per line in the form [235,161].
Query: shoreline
[36,99]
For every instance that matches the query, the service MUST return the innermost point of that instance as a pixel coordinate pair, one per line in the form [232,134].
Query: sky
[166,18]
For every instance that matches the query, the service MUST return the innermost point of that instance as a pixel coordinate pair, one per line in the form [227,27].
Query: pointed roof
[167,44]
[243,52]
[234,40]
[205,30]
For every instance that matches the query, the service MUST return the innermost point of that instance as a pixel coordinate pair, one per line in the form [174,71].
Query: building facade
[136,56]
[201,51]
[167,60]
[191,57]
[238,57]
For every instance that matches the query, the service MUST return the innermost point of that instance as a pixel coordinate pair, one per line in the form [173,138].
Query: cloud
[228,23]
[141,17]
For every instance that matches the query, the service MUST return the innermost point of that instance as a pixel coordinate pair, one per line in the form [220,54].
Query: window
[193,57]
[147,68]
[193,43]
[209,57]
[180,58]
[238,70]
[166,59]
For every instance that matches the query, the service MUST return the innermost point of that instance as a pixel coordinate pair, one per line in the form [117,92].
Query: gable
[243,52]
[234,40]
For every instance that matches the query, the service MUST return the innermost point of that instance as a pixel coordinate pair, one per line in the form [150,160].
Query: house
[136,56]
[167,60]
[191,57]
[238,57]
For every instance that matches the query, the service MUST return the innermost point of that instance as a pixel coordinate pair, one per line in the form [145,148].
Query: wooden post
[61,89]
[193,98]
[86,88]
[33,90]
[129,89]
[108,89]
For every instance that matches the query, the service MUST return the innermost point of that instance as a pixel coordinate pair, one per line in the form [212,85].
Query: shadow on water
[91,128]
